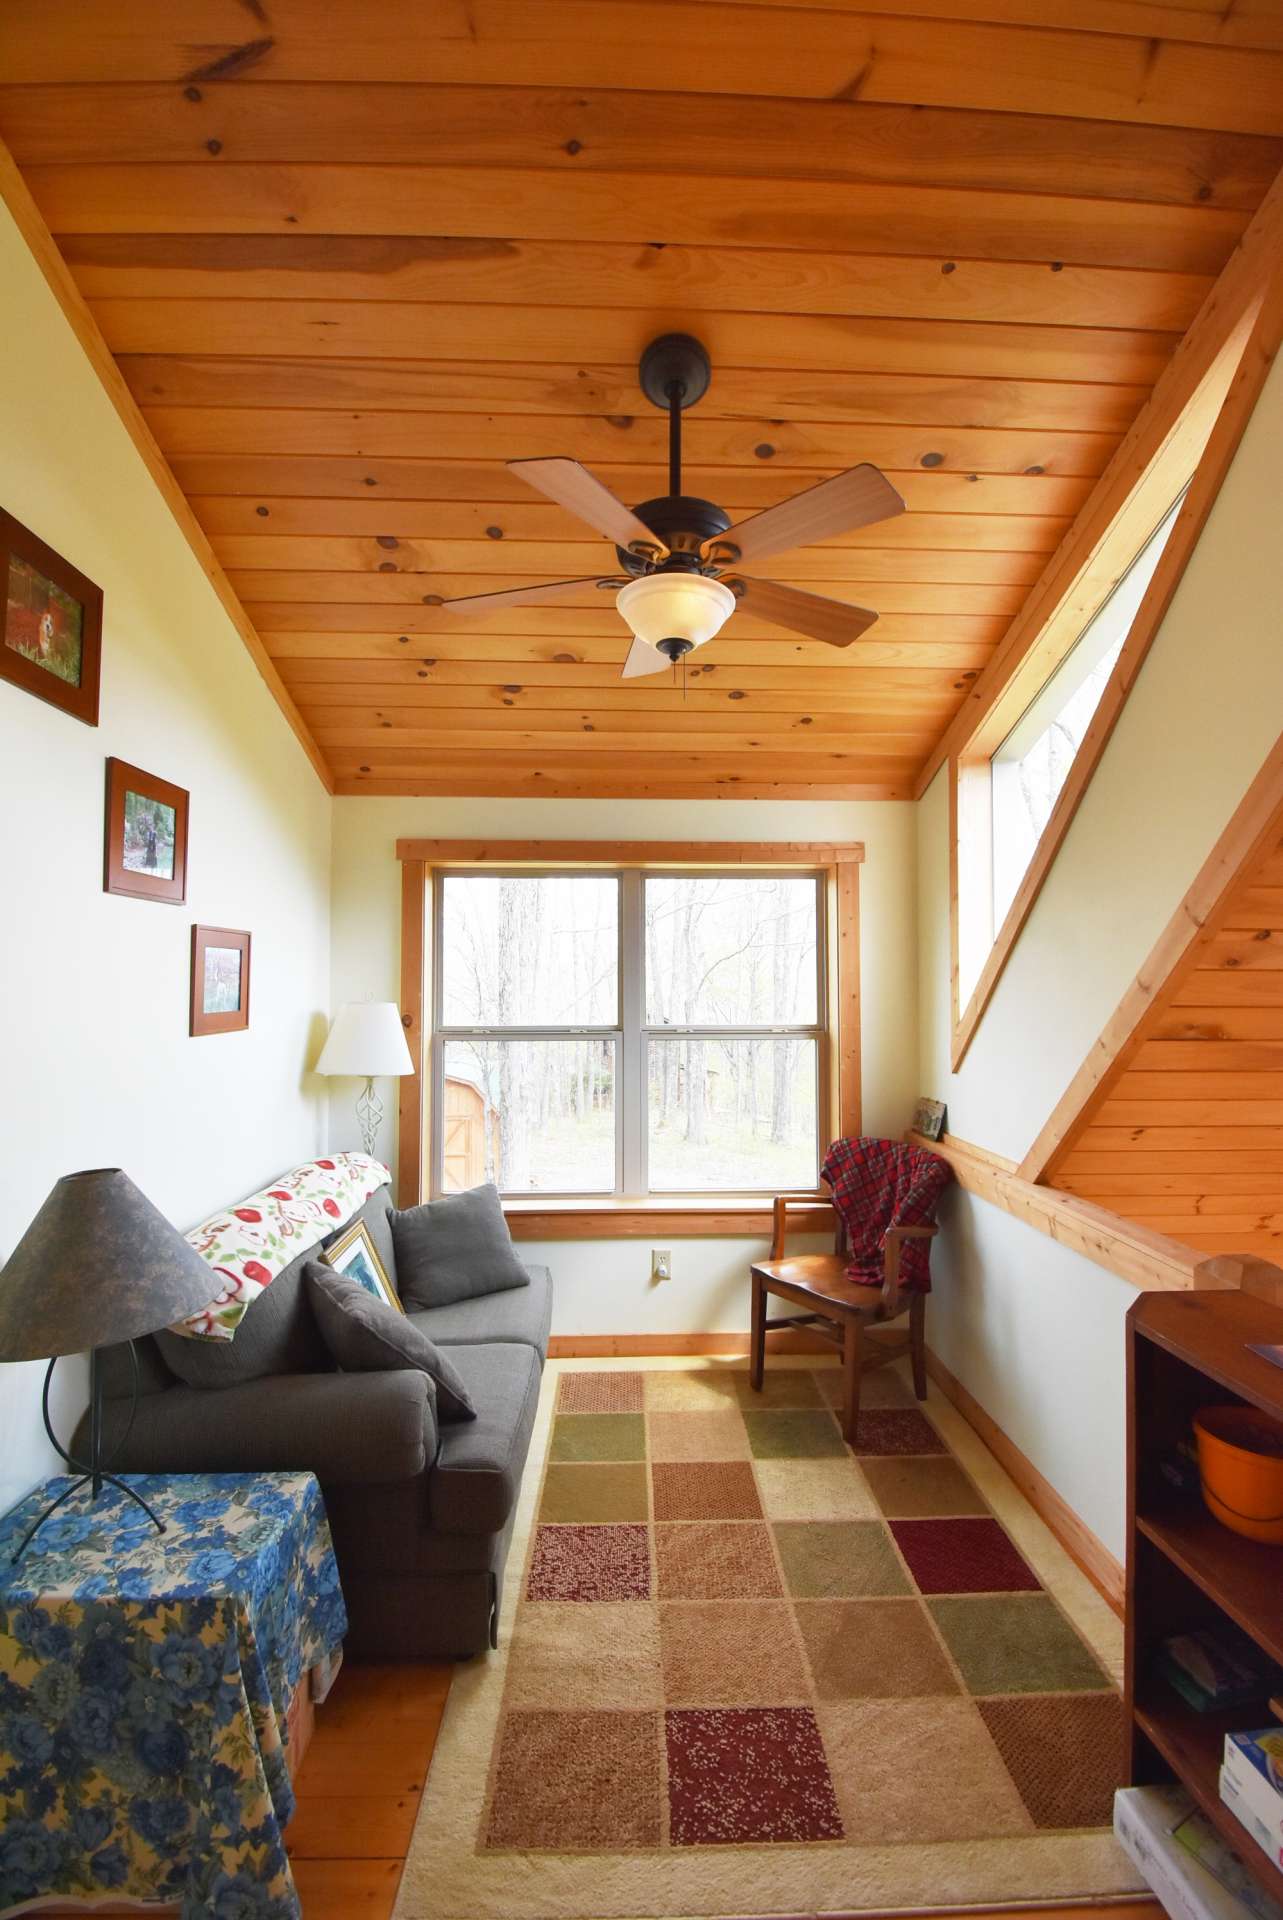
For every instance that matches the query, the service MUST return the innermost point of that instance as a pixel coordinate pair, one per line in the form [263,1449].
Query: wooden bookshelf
[1185,1570]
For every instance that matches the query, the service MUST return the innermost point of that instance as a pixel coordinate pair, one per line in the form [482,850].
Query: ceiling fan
[679,554]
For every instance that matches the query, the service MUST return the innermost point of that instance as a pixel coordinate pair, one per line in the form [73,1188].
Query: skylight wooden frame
[1185,437]
[606,1217]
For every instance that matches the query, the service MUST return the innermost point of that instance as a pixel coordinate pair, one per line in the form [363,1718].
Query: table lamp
[366,1040]
[98,1265]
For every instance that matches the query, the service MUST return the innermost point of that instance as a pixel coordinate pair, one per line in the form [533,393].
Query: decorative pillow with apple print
[249,1244]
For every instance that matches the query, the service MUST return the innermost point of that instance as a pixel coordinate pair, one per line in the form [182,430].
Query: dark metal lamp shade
[98,1264]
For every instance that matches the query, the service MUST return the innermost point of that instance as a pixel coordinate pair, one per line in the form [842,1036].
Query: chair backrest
[878,1184]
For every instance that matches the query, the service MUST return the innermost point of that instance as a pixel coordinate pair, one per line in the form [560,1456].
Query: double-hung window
[629,1031]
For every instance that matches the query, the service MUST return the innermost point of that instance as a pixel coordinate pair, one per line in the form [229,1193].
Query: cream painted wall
[1035,1332]
[604,1286]
[96,1065]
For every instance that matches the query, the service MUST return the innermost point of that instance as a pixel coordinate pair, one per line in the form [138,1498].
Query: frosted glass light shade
[675,606]
[366,1041]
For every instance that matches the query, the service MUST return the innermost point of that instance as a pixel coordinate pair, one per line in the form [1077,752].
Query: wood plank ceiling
[353,255]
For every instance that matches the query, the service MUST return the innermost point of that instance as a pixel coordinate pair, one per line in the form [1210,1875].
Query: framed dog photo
[220,980]
[51,638]
[353,1253]
[145,850]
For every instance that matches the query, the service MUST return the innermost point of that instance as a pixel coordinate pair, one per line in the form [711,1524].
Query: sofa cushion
[521,1313]
[365,1335]
[455,1248]
[278,1334]
[477,1475]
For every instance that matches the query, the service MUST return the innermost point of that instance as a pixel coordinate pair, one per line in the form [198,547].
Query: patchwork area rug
[750,1671]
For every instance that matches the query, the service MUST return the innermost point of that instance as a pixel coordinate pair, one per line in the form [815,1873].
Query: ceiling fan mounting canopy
[675,360]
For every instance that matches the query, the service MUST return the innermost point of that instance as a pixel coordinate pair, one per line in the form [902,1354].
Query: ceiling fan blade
[547,590]
[573,487]
[810,613]
[857,498]
[642,659]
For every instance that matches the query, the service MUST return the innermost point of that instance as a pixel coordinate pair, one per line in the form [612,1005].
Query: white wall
[604,1286]
[96,1067]
[1035,1332]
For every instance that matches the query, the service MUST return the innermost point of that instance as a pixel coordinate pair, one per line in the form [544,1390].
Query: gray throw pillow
[365,1335]
[455,1248]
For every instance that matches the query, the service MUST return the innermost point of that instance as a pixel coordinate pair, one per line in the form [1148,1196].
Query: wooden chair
[839,1309]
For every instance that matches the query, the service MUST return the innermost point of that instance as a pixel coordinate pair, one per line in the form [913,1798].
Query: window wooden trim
[1195,455]
[839,866]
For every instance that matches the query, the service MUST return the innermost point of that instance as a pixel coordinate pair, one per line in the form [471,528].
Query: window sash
[632,1035]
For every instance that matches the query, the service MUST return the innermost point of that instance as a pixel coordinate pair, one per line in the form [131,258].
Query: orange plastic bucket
[1240,1460]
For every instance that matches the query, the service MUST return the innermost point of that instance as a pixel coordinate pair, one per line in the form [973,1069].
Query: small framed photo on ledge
[929,1118]
[145,851]
[353,1253]
[51,639]
[220,980]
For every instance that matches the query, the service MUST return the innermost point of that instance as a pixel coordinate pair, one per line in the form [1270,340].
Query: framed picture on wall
[145,837]
[929,1118]
[51,640]
[220,980]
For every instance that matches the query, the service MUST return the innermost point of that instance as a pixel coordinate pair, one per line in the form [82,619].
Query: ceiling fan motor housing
[683,523]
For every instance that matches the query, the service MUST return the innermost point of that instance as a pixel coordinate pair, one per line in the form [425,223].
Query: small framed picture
[220,980]
[145,843]
[353,1253]
[929,1118]
[51,642]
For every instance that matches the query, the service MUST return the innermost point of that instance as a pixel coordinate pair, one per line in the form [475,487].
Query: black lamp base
[94,1471]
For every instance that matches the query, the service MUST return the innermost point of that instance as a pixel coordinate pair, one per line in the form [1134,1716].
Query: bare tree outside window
[713,997]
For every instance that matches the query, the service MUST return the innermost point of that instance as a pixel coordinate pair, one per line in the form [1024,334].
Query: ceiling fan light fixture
[663,607]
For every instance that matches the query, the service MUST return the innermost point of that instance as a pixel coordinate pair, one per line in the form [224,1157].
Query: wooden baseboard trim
[1080,1543]
[597,1346]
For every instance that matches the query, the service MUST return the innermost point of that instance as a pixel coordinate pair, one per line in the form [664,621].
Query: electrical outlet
[661,1264]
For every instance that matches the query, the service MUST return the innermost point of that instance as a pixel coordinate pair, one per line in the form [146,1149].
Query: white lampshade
[675,606]
[366,1041]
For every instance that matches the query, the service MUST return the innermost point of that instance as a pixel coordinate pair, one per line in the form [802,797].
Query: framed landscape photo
[145,840]
[353,1253]
[51,639]
[220,980]
[929,1118]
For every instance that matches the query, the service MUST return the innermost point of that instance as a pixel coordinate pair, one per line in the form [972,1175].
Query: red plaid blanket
[878,1184]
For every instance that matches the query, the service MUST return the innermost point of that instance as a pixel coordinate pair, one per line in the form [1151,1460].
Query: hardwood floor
[359,1794]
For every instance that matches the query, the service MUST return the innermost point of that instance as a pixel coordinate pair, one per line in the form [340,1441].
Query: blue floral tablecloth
[144,1682]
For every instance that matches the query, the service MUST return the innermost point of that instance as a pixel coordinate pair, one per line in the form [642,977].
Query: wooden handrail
[1147,1260]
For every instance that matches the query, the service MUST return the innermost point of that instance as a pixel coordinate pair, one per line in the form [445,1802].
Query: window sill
[715,1216]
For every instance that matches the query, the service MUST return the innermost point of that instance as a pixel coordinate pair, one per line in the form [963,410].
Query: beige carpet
[746,1670]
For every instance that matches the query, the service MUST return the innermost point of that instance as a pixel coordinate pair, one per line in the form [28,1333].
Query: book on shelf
[1252,1773]
[1248,1816]
[1187,1865]
[1213,1668]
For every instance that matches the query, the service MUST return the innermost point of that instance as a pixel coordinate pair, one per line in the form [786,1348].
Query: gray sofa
[421,1512]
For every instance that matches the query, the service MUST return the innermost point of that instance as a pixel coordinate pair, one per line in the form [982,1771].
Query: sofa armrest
[349,1429]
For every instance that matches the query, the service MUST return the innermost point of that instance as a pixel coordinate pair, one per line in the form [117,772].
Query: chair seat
[822,1277]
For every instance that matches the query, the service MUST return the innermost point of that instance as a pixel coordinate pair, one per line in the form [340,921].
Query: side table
[145,1681]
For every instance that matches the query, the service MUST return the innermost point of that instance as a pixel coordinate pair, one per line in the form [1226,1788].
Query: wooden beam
[577,130]
[1137,1255]
[1255,827]
[36,234]
[632,853]
[511,203]
[815,53]
[1073,584]
[1213,468]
